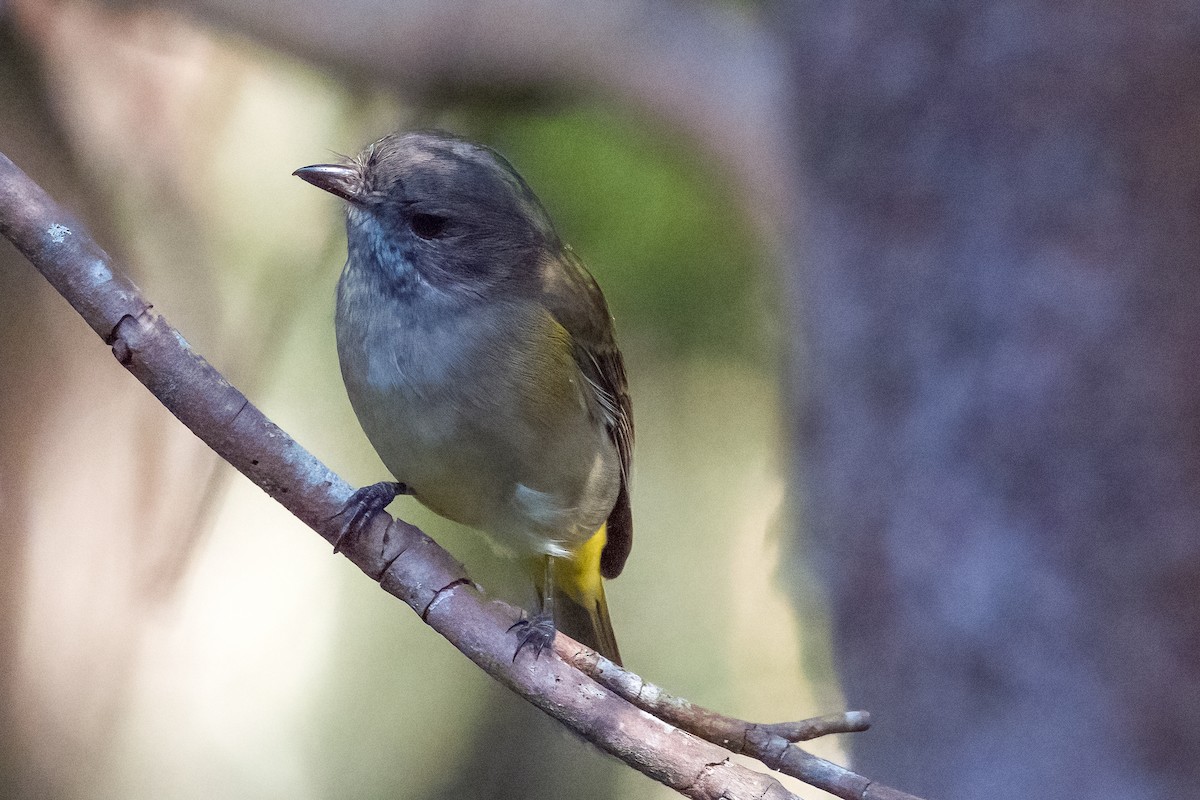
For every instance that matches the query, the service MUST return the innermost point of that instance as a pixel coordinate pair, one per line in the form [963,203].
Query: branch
[772,744]
[403,560]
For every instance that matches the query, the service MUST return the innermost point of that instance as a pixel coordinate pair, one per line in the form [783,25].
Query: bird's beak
[339,179]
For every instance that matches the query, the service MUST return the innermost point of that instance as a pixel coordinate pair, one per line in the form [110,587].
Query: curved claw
[365,504]
[537,633]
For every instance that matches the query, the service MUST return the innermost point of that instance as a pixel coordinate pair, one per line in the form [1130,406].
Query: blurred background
[168,631]
[910,304]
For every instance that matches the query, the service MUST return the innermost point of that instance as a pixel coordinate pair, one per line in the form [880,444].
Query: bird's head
[431,208]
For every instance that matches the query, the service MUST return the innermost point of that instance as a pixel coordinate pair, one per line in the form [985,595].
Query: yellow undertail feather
[580,610]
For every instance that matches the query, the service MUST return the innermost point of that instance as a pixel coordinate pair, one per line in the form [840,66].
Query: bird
[480,358]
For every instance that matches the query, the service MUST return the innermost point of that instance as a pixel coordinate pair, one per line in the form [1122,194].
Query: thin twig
[405,562]
[772,744]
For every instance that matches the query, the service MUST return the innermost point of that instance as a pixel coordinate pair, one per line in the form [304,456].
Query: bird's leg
[365,504]
[538,631]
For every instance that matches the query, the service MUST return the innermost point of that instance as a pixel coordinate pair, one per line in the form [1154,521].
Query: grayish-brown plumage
[479,356]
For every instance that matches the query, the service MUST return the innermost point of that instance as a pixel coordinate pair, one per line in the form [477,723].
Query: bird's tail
[580,610]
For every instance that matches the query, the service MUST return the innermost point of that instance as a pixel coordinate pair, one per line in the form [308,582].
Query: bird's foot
[363,505]
[536,632]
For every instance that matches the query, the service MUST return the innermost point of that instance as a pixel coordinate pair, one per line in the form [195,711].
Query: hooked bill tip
[337,179]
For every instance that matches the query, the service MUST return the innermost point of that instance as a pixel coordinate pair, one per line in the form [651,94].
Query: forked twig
[773,743]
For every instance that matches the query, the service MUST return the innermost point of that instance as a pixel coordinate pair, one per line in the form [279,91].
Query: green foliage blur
[653,218]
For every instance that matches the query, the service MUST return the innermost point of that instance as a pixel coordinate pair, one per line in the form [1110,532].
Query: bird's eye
[428,226]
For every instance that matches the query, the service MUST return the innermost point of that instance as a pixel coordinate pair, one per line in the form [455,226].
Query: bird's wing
[575,300]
